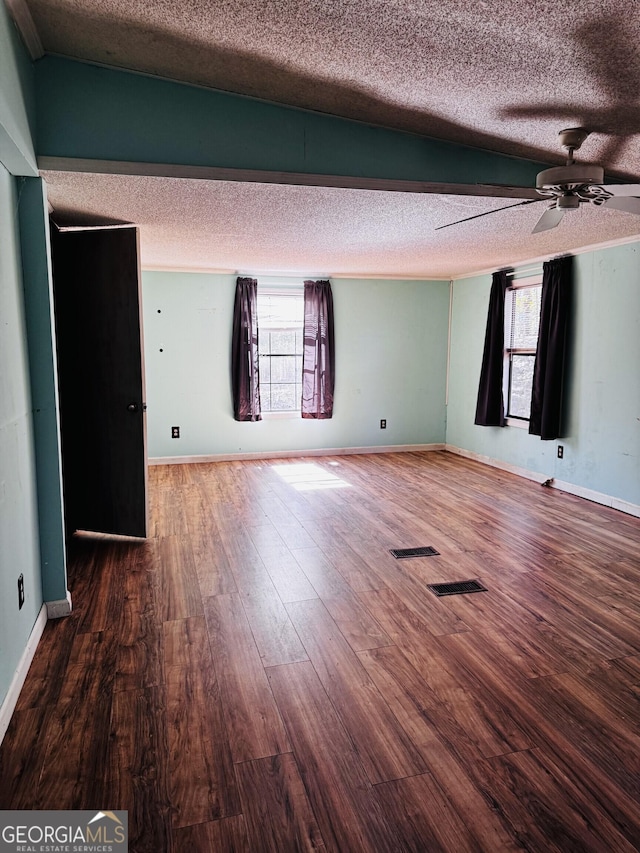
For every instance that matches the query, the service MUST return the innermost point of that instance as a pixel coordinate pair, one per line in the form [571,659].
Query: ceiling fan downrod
[571,140]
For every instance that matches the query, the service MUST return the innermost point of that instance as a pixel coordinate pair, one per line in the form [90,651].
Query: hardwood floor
[262,675]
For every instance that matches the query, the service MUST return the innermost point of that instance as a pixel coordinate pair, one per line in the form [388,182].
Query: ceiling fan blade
[549,219]
[488,213]
[622,189]
[629,205]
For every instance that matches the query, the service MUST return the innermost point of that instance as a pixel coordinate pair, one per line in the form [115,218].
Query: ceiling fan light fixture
[568,202]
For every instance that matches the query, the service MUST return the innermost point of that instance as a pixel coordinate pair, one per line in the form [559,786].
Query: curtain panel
[549,369]
[318,358]
[490,403]
[245,377]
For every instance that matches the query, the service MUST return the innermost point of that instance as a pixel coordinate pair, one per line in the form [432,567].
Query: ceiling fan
[572,185]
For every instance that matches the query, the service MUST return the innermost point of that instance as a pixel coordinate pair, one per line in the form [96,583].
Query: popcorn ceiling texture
[221,225]
[505,76]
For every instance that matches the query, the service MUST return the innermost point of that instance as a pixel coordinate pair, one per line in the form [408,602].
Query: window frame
[289,290]
[509,351]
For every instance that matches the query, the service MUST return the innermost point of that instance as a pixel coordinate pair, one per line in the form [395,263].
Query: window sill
[516,422]
[276,416]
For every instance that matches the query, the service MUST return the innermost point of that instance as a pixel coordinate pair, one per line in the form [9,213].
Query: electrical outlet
[175,432]
[20,592]
[383,423]
[561,451]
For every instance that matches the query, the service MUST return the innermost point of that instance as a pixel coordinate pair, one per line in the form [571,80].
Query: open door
[96,283]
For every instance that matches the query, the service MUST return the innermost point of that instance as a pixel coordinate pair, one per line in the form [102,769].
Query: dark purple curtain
[490,404]
[318,359]
[245,378]
[548,371]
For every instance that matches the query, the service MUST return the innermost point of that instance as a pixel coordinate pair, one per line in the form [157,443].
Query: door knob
[132,407]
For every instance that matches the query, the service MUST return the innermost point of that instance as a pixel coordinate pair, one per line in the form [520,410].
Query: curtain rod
[525,271]
[301,275]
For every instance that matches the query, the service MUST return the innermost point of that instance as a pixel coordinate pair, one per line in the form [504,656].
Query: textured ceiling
[320,230]
[500,75]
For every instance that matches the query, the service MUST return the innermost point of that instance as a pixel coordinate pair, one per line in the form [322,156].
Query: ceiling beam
[209,173]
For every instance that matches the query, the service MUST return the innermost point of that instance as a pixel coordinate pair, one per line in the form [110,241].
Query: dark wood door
[96,277]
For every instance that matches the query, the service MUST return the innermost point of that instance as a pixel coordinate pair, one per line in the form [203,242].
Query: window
[280,321]
[522,319]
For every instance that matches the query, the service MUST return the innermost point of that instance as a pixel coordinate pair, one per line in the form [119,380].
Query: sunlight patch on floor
[307,476]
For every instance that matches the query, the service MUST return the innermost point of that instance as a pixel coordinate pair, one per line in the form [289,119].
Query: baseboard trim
[562,486]
[497,463]
[288,454]
[10,700]
[598,497]
[59,608]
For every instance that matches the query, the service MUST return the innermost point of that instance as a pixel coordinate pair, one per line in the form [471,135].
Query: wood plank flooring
[262,675]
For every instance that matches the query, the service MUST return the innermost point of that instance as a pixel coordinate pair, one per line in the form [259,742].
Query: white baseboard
[598,497]
[497,463]
[59,608]
[287,454]
[572,489]
[8,706]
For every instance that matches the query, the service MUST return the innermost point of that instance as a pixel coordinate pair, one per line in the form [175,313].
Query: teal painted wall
[391,344]
[38,298]
[31,530]
[602,436]
[17,101]
[19,551]
[87,111]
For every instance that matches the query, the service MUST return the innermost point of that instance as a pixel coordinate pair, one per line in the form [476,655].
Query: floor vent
[403,553]
[457,587]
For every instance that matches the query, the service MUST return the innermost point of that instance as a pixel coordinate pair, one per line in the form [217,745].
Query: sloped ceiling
[505,76]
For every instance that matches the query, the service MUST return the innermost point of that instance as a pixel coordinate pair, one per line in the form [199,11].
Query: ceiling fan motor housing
[570,177]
